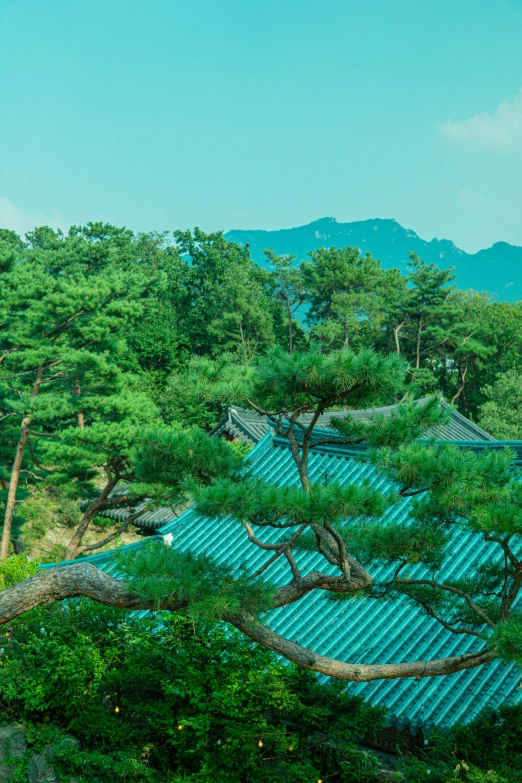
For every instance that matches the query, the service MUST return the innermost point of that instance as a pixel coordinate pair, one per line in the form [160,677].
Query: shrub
[185,700]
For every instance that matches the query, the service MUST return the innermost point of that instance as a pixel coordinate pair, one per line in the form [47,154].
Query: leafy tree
[288,290]
[343,289]
[487,750]
[425,307]
[90,462]
[501,330]
[225,301]
[157,344]
[501,414]
[456,348]
[186,700]
[67,300]
[186,398]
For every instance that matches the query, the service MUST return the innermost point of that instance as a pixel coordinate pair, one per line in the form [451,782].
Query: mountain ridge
[497,269]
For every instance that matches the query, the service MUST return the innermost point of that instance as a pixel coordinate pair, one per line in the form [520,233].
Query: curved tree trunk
[84,579]
[13,486]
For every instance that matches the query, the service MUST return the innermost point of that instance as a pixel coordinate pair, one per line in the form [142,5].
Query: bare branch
[98,544]
[439,586]
[280,548]
[449,626]
[357,672]
[293,565]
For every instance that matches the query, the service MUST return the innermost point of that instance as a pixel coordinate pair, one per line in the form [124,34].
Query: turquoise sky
[266,114]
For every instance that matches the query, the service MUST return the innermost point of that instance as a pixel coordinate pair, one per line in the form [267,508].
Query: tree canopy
[454,489]
[118,352]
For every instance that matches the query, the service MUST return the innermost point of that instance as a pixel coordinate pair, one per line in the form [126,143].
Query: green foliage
[163,575]
[171,461]
[225,299]
[198,394]
[262,504]
[68,303]
[289,292]
[507,636]
[115,318]
[408,423]
[186,700]
[501,414]
[452,488]
[289,381]
[15,569]
[486,750]
[345,290]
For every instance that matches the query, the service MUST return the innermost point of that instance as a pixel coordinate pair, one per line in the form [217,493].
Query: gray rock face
[12,743]
[6,772]
[41,768]
[40,771]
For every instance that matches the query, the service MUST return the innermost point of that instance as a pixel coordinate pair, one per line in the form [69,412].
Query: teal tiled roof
[360,629]
[248,426]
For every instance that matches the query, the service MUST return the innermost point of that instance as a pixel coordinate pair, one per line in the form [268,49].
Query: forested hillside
[496,269]
[104,332]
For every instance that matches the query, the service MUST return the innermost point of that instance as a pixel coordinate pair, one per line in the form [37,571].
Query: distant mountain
[497,269]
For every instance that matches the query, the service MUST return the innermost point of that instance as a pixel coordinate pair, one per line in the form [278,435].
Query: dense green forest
[106,335]
[103,331]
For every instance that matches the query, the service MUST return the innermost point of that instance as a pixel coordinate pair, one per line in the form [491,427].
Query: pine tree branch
[504,543]
[450,589]
[356,672]
[84,579]
[336,442]
[293,565]
[447,625]
[112,536]
[279,549]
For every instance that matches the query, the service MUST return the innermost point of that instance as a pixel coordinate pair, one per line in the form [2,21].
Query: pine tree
[224,303]
[66,300]
[92,461]
[345,293]
[288,290]
[454,489]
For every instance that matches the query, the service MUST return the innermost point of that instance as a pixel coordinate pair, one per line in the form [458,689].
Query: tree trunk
[108,539]
[463,374]
[84,579]
[13,486]
[396,336]
[15,473]
[417,364]
[290,330]
[346,343]
[74,544]
[418,351]
[356,672]
[81,415]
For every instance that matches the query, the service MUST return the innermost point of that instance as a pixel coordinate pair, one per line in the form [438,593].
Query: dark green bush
[487,750]
[190,700]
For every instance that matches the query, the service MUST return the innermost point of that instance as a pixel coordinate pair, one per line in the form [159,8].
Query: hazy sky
[263,114]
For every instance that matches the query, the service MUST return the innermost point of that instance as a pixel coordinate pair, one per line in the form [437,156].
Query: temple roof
[249,427]
[360,629]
